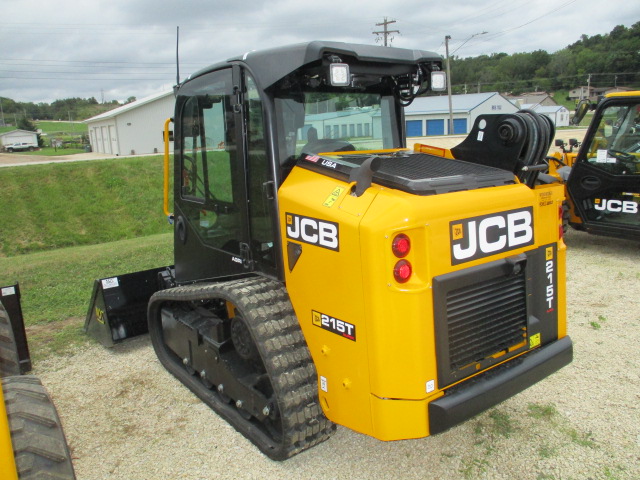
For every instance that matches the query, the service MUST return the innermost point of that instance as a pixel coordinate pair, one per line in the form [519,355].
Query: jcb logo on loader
[313,231]
[479,237]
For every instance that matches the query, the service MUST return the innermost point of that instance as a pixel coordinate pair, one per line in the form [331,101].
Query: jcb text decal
[616,206]
[313,231]
[331,324]
[486,235]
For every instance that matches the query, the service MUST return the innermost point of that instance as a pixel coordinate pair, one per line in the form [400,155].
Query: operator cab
[243,124]
[605,180]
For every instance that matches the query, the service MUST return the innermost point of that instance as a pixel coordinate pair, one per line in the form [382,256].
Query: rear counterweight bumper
[474,396]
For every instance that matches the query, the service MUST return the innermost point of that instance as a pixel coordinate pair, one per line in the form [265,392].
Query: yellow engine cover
[373,340]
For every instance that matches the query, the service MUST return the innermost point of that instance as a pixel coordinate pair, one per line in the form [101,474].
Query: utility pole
[446,45]
[386,32]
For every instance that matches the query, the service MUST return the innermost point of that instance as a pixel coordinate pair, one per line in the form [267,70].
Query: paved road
[19,159]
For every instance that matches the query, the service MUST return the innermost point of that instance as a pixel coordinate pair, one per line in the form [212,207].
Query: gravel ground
[127,418]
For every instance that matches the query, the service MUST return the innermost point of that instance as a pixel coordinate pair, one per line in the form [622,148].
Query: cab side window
[615,147]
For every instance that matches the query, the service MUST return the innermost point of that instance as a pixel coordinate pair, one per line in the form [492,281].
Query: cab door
[210,233]
[223,194]
[604,184]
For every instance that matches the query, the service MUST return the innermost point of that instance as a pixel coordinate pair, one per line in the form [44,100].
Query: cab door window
[211,177]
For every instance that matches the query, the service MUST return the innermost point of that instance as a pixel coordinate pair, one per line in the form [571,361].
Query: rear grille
[481,317]
[485,318]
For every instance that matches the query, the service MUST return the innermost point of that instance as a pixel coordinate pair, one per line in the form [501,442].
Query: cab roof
[270,65]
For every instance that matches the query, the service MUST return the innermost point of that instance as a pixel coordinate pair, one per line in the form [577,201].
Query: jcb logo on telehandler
[616,206]
[479,237]
[312,230]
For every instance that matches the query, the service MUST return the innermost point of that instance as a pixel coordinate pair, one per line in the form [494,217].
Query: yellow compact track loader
[32,443]
[324,274]
[602,176]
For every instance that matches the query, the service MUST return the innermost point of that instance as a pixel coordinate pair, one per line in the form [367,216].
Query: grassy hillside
[63,128]
[53,206]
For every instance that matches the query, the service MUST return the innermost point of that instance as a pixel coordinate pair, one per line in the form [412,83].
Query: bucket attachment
[118,308]
[10,298]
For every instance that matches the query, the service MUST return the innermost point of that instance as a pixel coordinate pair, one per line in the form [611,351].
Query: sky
[117,49]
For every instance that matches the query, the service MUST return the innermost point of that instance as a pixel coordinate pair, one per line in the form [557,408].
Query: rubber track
[9,360]
[39,445]
[268,313]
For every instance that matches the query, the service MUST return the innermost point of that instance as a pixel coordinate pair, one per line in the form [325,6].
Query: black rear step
[276,408]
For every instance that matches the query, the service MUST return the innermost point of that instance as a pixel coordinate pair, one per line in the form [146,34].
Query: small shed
[428,116]
[18,136]
[558,114]
[132,129]
[535,98]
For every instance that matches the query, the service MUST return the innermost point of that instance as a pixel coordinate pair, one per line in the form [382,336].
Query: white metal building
[558,114]
[133,129]
[351,123]
[18,136]
[429,115]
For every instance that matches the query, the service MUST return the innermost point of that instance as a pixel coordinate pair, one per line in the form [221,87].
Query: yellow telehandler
[602,174]
[32,442]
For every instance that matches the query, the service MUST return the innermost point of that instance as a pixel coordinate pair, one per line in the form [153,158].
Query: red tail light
[401,245]
[402,271]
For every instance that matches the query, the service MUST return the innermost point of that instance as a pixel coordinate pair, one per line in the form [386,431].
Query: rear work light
[402,271]
[401,245]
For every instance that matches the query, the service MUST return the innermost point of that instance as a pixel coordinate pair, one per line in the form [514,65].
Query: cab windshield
[615,146]
[330,121]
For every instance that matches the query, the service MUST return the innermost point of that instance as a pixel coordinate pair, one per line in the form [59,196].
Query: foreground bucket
[118,308]
[10,298]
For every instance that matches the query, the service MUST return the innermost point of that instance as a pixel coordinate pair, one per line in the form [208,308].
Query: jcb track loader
[325,274]
[32,442]
[603,177]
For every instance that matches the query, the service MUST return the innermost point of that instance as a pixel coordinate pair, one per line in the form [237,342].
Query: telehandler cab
[603,177]
[324,273]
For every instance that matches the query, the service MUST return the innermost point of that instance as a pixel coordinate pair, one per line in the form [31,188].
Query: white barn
[133,129]
[428,116]
[18,136]
[353,123]
[558,114]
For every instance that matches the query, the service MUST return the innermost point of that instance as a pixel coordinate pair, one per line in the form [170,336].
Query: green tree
[25,124]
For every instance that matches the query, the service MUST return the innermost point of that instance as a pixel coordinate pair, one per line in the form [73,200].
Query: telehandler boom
[325,274]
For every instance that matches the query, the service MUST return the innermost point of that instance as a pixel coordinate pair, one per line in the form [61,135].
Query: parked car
[21,147]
